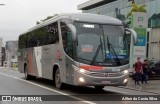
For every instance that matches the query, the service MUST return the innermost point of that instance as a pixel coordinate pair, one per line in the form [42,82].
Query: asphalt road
[13,83]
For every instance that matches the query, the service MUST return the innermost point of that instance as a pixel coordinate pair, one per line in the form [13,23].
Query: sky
[17,16]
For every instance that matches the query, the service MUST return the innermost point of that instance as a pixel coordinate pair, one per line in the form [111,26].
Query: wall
[1,45]
[155,43]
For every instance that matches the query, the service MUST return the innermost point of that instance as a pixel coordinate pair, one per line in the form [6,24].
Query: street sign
[139,23]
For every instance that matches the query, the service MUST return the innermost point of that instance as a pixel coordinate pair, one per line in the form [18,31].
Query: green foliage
[121,17]
[136,8]
[47,18]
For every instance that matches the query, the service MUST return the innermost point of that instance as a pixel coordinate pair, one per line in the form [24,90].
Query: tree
[136,8]
[49,17]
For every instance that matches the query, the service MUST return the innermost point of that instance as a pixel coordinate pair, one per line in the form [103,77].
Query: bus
[78,49]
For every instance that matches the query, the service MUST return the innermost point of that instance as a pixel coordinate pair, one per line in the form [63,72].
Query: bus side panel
[31,62]
[69,70]
[61,57]
[48,54]
[50,58]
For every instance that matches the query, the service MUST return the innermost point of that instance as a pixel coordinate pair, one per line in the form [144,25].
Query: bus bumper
[88,80]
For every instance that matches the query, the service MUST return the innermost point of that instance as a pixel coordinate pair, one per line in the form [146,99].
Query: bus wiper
[110,47]
[97,51]
[96,54]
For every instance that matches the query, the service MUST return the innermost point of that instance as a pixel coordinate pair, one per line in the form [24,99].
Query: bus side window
[67,39]
[26,41]
[34,43]
[36,38]
[51,36]
[23,41]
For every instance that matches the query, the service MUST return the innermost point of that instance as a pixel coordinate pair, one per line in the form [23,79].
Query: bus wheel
[27,77]
[99,87]
[57,80]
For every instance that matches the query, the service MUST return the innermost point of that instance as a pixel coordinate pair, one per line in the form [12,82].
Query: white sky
[17,16]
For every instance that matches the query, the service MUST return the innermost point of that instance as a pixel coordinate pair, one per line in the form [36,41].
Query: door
[38,56]
[156,69]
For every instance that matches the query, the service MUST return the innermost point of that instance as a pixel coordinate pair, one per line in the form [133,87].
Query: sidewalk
[10,68]
[152,86]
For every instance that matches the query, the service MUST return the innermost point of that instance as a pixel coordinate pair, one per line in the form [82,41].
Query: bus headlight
[125,72]
[125,81]
[81,79]
[81,70]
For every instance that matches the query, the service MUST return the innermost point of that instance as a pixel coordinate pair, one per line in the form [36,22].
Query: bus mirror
[135,40]
[73,31]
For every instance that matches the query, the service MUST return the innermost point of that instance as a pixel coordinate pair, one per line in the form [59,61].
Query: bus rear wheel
[26,75]
[57,80]
[99,87]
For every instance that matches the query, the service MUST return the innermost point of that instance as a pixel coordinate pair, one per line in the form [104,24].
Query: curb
[9,68]
[139,90]
[14,68]
[130,88]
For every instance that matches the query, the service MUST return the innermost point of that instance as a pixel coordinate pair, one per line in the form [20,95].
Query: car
[155,69]
[154,72]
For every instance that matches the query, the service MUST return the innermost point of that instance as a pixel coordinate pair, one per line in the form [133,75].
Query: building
[1,42]
[120,9]
[2,60]
[1,51]
[11,53]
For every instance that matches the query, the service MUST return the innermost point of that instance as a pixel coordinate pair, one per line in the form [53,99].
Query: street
[13,83]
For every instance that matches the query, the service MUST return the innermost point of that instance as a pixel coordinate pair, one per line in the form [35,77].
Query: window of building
[141,1]
[112,6]
[157,6]
[13,57]
[153,8]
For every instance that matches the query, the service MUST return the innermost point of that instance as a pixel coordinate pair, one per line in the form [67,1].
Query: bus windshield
[101,43]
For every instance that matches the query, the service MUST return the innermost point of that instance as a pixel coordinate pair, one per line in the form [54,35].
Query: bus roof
[83,17]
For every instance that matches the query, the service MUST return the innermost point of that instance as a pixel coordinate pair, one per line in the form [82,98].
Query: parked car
[155,69]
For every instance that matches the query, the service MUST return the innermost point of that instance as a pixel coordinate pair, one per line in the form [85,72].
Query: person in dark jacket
[146,70]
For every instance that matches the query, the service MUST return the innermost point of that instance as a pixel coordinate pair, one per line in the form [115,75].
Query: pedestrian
[138,68]
[146,70]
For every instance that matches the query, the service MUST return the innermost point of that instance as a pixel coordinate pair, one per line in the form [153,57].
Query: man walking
[138,71]
[146,69]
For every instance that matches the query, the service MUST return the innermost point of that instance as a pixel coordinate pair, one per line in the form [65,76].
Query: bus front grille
[105,74]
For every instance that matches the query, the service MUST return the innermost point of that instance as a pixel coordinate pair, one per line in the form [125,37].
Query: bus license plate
[106,82]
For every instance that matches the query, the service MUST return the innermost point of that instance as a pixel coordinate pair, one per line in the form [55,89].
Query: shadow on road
[73,90]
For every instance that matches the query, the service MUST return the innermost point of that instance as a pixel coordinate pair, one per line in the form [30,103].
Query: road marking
[62,93]
[110,89]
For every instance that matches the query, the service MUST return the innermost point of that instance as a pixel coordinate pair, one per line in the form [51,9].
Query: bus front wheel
[57,80]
